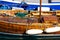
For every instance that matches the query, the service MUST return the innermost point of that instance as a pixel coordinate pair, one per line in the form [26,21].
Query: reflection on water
[24,37]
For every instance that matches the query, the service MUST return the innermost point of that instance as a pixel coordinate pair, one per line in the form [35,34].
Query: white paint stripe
[11,1]
[44,3]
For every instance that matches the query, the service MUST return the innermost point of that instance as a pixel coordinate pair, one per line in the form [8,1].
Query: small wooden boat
[12,26]
[17,25]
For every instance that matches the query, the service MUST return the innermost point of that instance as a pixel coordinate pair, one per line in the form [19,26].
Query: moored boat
[18,25]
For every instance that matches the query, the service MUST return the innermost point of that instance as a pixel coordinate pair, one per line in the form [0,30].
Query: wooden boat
[17,25]
[12,26]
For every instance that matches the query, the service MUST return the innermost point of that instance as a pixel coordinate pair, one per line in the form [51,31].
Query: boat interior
[20,21]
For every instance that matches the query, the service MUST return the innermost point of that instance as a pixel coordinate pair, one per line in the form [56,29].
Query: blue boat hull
[30,6]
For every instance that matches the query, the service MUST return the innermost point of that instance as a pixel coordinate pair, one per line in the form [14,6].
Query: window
[55,0]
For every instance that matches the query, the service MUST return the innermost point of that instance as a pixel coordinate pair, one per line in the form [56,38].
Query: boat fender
[52,29]
[34,31]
